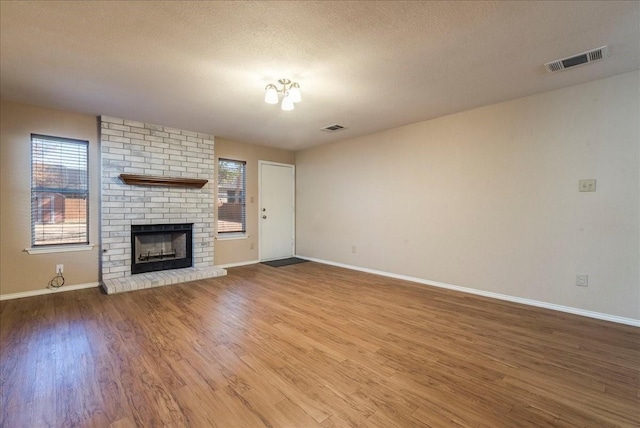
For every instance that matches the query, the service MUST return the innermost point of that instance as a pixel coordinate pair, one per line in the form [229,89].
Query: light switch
[587,185]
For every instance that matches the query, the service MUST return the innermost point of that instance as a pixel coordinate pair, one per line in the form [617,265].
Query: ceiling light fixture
[290,91]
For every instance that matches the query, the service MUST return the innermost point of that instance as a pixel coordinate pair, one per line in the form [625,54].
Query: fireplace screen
[160,247]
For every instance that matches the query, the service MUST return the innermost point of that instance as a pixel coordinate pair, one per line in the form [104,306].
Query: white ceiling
[368,66]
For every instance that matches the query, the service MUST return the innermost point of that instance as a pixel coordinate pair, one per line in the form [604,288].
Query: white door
[277,210]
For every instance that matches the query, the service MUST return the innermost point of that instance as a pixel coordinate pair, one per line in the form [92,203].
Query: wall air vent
[575,60]
[333,128]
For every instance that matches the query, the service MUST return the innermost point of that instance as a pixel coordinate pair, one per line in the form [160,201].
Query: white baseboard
[48,291]
[552,306]
[230,265]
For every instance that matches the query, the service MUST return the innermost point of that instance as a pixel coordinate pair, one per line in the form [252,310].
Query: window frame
[242,197]
[41,245]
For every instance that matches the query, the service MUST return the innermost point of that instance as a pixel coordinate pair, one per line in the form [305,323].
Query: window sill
[232,236]
[60,249]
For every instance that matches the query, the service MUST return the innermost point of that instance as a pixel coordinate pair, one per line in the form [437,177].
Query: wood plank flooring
[309,345]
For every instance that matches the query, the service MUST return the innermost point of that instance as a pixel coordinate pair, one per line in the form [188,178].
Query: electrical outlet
[582,280]
[587,185]
[251,246]
[353,249]
[59,269]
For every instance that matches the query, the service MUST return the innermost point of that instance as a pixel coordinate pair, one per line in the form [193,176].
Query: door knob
[264,216]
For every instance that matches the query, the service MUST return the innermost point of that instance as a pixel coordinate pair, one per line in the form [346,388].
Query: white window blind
[59,191]
[232,196]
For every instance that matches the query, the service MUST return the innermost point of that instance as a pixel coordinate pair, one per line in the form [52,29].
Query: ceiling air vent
[332,128]
[583,58]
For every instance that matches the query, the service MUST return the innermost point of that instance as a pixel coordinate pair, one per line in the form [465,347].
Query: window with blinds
[59,191]
[231,196]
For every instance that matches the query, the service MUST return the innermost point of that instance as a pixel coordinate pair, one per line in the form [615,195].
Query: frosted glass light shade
[287,103]
[271,97]
[294,93]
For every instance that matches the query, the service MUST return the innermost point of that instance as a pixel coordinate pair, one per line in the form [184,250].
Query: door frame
[293,208]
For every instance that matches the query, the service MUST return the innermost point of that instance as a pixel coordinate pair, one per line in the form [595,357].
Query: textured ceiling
[368,66]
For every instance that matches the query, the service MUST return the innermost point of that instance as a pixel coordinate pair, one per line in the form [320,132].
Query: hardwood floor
[310,345]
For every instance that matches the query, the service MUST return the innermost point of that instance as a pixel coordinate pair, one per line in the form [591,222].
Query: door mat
[284,262]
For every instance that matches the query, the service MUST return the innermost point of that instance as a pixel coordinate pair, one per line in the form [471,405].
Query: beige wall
[488,199]
[246,250]
[19,271]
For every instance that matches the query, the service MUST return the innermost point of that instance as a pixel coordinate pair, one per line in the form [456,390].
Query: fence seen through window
[59,191]
[231,196]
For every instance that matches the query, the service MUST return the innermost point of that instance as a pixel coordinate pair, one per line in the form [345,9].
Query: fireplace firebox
[161,247]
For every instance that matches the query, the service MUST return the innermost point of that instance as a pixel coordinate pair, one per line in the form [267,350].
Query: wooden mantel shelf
[154,180]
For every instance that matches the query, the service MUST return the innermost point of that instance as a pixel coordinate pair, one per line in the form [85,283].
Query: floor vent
[333,128]
[575,60]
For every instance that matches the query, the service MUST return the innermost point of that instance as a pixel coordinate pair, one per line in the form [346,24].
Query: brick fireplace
[131,147]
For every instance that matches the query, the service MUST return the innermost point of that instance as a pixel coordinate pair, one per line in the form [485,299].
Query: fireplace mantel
[155,180]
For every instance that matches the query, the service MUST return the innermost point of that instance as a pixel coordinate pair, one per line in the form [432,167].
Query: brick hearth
[158,279]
